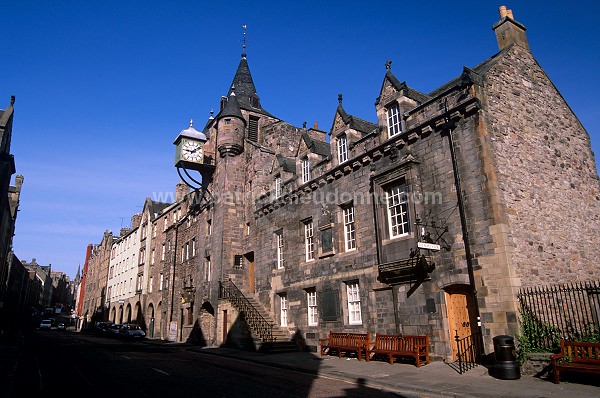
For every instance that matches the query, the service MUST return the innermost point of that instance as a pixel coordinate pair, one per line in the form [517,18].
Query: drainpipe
[173,277]
[450,126]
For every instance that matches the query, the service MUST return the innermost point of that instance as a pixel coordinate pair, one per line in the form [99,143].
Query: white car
[45,324]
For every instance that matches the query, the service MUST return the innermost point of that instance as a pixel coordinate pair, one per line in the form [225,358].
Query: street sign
[428,246]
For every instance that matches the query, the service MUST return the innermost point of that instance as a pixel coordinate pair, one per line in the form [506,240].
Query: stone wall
[546,172]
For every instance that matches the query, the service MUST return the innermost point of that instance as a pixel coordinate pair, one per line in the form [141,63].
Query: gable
[338,123]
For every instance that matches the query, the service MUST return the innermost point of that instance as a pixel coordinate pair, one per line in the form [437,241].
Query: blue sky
[103,87]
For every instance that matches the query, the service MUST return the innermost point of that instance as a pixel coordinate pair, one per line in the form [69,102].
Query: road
[64,363]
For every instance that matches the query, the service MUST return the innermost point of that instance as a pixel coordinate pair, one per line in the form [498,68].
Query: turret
[231,126]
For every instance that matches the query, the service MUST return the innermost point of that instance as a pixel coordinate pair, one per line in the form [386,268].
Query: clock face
[191,151]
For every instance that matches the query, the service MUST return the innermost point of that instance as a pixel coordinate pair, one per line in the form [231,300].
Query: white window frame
[152,258]
[354,308]
[393,118]
[311,302]
[283,313]
[305,170]
[278,188]
[208,272]
[342,146]
[397,210]
[164,248]
[193,247]
[162,282]
[279,243]
[349,228]
[150,284]
[309,241]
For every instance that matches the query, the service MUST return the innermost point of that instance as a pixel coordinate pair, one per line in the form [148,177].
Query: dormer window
[342,147]
[393,118]
[227,121]
[305,170]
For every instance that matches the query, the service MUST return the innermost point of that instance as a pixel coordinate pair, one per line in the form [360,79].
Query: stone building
[92,300]
[7,169]
[427,221]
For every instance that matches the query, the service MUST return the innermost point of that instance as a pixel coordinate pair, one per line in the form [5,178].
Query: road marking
[161,371]
[126,357]
[37,364]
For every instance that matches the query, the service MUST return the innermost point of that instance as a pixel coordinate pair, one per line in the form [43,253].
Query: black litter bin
[507,367]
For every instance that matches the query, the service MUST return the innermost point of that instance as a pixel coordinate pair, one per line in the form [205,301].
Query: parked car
[115,330]
[61,326]
[132,331]
[104,327]
[45,324]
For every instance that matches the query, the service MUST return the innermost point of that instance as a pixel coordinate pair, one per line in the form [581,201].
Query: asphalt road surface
[65,363]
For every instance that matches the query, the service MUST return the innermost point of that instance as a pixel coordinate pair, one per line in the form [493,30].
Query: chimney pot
[510,14]
[316,125]
[502,12]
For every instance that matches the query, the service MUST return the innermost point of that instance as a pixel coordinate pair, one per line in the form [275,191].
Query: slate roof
[245,90]
[319,147]
[409,92]
[476,73]
[354,122]
[156,208]
[232,108]
[287,164]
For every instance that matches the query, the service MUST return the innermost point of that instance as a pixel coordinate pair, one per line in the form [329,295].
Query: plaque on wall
[327,240]
[329,304]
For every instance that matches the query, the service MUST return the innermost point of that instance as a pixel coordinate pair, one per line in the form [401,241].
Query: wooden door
[461,314]
[250,260]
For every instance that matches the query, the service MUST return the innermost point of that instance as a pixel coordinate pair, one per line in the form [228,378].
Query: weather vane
[244,42]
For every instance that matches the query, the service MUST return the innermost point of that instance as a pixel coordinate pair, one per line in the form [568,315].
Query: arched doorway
[462,317]
[151,320]
[113,315]
[128,313]
[158,320]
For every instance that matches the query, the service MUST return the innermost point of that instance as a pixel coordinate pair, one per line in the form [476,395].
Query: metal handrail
[229,291]
[469,352]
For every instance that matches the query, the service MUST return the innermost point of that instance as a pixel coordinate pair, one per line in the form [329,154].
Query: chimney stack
[510,32]
[316,125]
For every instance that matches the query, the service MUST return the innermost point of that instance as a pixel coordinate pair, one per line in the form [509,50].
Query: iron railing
[262,327]
[469,352]
[568,311]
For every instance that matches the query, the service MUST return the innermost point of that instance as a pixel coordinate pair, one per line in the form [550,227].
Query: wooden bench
[390,345]
[345,342]
[576,357]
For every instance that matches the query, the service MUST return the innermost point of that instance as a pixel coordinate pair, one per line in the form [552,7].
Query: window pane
[393,115]
[397,210]
[309,241]
[354,312]
[349,229]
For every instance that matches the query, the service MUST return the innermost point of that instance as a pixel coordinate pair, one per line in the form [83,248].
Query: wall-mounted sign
[428,246]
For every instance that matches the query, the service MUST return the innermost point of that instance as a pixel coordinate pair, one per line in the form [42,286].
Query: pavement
[436,379]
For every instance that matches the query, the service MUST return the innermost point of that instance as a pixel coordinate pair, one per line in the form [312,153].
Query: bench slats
[413,346]
[576,356]
[345,342]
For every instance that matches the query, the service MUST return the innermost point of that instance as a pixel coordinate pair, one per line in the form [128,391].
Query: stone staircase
[282,342]
[264,333]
